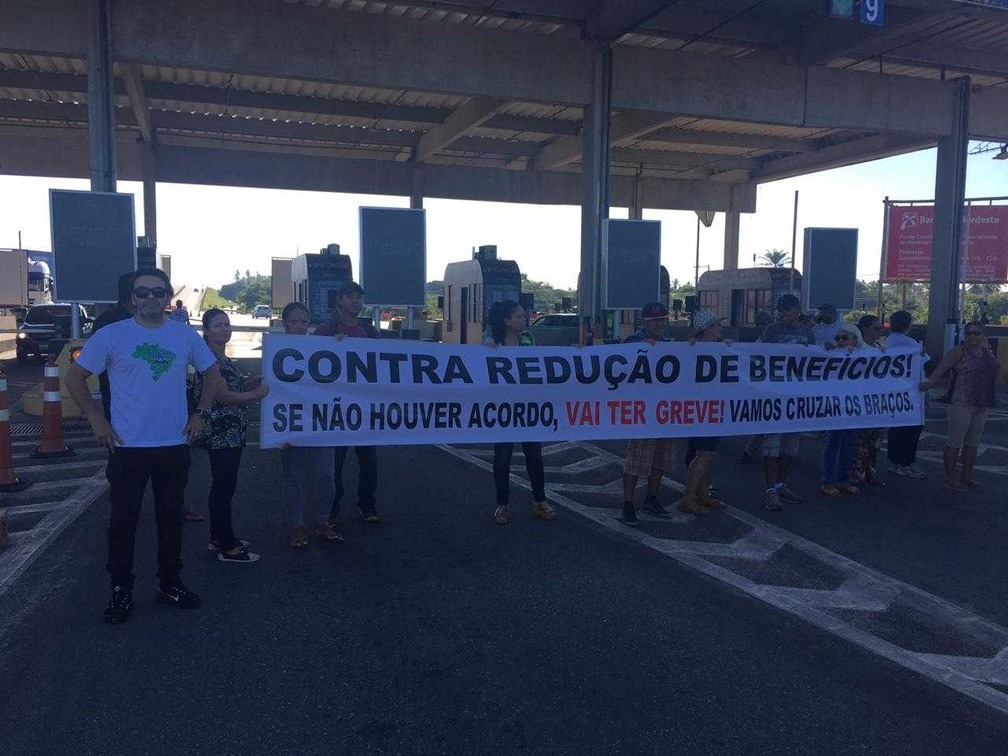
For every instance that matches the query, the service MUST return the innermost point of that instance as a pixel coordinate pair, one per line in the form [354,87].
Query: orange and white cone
[52,417]
[8,480]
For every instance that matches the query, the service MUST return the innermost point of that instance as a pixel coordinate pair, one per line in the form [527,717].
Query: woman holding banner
[869,441]
[838,454]
[224,437]
[507,328]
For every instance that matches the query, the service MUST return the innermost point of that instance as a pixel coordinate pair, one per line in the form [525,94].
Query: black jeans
[224,464]
[129,469]
[902,444]
[533,465]
[367,482]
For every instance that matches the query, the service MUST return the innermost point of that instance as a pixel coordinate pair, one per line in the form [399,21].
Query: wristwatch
[204,413]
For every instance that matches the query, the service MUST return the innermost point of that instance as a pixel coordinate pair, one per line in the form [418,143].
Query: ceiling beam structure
[353,48]
[839,155]
[138,102]
[470,115]
[626,127]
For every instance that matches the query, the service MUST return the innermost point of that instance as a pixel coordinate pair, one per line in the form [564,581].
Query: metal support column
[637,201]
[415,203]
[149,193]
[946,253]
[101,103]
[731,240]
[595,185]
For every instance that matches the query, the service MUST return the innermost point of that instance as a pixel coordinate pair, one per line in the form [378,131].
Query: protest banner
[325,392]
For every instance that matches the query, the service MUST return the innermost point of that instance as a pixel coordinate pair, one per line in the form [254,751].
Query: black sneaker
[119,606]
[244,556]
[178,595]
[652,505]
[630,515]
[214,544]
[369,514]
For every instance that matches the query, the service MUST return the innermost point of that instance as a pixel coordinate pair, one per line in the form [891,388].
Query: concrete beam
[62,152]
[684,159]
[988,62]
[741,141]
[138,102]
[839,155]
[625,127]
[832,38]
[467,116]
[988,117]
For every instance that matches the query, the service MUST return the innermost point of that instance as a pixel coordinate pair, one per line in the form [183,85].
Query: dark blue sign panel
[631,263]
[94,241]
[873,12]
[393,256]
[829,272]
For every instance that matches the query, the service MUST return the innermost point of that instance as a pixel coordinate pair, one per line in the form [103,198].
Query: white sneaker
[912,471]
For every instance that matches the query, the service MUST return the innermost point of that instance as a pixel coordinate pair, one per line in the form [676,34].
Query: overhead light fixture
[1003,155]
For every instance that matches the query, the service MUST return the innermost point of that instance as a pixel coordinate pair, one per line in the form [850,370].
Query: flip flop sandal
[697,508]
[972,485]
[831,491]
[191,515]
[299,540]
[956,486]
[713,504]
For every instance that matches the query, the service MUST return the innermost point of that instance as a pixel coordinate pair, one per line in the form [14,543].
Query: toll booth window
[756,300]
[447,304]
[708,300]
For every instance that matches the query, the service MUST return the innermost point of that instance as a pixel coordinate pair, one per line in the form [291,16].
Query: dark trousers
[224,464]
[128,471]
[533,466]
[367,481]
[902,444]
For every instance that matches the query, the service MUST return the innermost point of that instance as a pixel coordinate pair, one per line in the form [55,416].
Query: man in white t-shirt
[901,446]
[825,330]
[146,358]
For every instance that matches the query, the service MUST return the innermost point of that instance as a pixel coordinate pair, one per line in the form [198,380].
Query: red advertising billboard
[985,239]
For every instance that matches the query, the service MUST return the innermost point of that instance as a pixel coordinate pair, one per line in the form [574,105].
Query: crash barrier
[52,444]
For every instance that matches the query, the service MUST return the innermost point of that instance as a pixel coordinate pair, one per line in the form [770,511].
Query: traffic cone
[9,482]
[52,417]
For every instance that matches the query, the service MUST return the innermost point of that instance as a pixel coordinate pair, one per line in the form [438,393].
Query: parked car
[558,329]
[46,327]
[261,311]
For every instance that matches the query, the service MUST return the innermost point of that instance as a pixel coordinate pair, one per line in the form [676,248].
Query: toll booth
[471,287]
[737,295]
[281,284]
[315,278]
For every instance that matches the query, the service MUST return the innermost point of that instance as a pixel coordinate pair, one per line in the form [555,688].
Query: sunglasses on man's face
[143,292]
[844,338]
[974,333]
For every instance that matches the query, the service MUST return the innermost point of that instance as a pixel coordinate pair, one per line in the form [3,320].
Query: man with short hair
[652,457]
[346,321]
[147,438]
[780,448]
[825,330]
[180,313]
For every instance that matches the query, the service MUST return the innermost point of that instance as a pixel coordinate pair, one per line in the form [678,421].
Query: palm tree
[775,258]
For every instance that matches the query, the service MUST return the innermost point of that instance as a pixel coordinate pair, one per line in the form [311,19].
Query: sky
[212,231]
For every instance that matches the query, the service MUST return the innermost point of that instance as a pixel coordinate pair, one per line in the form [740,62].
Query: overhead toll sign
[873,12]
[393,256]
[909,231]
[94,241]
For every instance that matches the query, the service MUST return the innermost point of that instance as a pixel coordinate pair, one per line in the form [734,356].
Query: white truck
[13,279]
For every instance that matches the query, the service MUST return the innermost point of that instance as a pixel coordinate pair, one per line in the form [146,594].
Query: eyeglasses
[841,337]
[974,333]
[142,292]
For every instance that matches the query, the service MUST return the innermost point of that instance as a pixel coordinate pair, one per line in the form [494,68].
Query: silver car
[558,329]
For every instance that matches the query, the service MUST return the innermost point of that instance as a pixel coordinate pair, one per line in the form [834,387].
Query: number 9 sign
[873,12]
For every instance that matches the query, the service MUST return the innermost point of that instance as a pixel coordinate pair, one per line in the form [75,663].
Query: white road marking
[862,588]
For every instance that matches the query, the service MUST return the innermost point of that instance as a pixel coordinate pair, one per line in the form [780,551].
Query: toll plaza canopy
[634,103]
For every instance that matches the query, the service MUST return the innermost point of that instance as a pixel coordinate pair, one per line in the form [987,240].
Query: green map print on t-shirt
[160,360]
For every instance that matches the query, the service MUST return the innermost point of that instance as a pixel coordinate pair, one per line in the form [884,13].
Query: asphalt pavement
[440,632]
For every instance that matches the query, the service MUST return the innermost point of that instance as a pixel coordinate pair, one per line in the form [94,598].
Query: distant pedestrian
[346,321]
[901,446]
[652,457]
[180,314]
[779,449]
[507,329]
[753,450]
[696,496]
[825,330]
[147,439]
[974,373]
[224,437]
[838,453]
[122,310]
[307,471]
[869,441]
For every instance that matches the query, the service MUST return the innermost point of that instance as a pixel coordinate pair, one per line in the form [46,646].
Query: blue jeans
[838,453]
[307,471]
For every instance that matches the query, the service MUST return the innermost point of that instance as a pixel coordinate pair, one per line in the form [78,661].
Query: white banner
[325,392]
